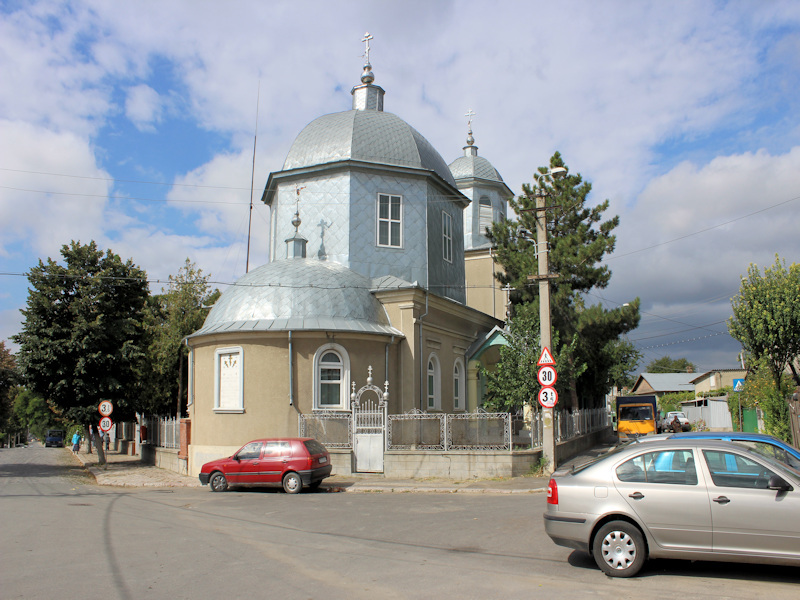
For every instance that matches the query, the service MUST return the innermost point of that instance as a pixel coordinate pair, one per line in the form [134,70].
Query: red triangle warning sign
[546,358]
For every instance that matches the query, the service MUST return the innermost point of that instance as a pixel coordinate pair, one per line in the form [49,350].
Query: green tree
[665,364]
[766,317]
[513,384]
[33,412]
[8,379]
[761,391]
[179,311]
[578,240]
[82,334]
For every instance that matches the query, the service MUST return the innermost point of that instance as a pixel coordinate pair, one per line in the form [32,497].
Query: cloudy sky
[133,124]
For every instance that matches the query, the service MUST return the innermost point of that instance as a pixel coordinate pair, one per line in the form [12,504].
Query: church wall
[324,213]
[366,257]
[474,234]
[445,278]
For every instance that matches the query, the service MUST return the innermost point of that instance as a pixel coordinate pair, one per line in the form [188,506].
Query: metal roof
[366,135]
[299,294]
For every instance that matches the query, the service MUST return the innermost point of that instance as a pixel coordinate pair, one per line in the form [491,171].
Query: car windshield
[314,447]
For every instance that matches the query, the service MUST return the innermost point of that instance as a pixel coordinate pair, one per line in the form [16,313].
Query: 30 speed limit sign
[106,423]
[548,397]
[547,376]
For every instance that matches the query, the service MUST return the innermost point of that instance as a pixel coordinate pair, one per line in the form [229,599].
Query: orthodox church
[378,264]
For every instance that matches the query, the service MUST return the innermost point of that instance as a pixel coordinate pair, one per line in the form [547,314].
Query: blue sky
[133,124]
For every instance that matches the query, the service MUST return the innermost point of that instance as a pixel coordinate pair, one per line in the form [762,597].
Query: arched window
[458,385]
[485,214]
[331,378]
[434,384]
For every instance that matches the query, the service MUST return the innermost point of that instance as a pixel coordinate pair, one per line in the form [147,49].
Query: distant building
[659,384]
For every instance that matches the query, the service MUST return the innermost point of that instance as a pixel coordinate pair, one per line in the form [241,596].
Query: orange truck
[636,416]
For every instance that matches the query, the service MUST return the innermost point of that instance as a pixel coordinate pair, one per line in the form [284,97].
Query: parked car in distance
[688,498]
[666,423]
[294,463]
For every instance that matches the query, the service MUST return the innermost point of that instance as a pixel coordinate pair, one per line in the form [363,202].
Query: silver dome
[468,167]
[298,294]
[366,135]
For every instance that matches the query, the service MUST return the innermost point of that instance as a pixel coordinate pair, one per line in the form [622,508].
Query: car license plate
[323,459]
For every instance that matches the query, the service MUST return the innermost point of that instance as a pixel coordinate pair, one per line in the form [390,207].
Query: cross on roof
[469,116]
[366,39]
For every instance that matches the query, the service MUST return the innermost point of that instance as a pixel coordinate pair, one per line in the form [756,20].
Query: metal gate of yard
[369,426]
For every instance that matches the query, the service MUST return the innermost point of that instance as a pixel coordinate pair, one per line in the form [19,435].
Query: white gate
[369,426]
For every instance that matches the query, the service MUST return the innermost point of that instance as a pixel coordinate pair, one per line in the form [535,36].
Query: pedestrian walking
[76,442]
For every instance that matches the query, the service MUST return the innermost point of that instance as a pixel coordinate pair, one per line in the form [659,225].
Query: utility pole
[544,276]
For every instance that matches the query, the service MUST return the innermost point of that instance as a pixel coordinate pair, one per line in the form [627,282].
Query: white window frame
[433,387]
[459,381]
[219,356]
[447,236]
[485,214]
[344,382]
[389,221]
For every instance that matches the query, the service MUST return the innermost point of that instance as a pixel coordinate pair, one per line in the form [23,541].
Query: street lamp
[545,329]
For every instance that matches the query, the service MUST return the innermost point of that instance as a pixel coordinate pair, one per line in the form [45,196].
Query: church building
[378,263]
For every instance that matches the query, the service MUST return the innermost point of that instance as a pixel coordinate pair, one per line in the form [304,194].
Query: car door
[245,467]
[663,488]
[276,455]
[747,516]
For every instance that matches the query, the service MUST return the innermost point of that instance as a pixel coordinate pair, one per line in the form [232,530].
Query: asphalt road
[62,536]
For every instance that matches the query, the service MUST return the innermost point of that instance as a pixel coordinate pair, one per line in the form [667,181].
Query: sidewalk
[128,471]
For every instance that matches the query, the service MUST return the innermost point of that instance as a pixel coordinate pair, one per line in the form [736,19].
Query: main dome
[298,294]
[371,136]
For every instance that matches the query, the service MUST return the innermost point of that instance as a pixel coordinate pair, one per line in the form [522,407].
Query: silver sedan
[688,499]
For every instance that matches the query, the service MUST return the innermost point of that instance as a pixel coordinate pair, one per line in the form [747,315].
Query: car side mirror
[236,457]
[779,483]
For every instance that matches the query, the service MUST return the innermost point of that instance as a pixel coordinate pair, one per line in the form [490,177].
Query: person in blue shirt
[76,442]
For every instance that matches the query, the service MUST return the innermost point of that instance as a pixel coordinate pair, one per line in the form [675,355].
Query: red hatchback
[294,463]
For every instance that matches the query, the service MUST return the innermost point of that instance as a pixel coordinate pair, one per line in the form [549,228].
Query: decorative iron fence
[418,430]
[163,432]
[332,429]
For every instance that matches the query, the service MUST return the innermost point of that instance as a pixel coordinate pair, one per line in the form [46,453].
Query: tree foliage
[81,337]
[8,378]
[665,364]
[33,412]
[761,391]
[766,317]
[513,384]
[578,240]
[179,311]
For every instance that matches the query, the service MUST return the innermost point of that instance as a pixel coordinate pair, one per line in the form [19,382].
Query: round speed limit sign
[547,376]
[548,397]
[105,408]
[106,424]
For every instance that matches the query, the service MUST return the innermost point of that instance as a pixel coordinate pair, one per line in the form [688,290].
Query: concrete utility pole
[544,276]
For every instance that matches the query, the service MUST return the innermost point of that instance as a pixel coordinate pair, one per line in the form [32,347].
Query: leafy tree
[760,391]
[82,336]
[8,378]
[766,317]
[672,401]
[578,240]
[33,412]
[513,384]
[179,311]
[665,364]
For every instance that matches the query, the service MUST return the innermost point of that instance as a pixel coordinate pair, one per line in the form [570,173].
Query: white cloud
[143,107]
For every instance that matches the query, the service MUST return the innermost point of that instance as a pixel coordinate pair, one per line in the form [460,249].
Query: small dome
[468,167]
[367,135]
[298,294]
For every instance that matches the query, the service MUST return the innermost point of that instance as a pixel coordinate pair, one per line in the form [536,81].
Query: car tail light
[552,492]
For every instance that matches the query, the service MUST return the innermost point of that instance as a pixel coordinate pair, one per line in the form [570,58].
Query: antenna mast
[252,181]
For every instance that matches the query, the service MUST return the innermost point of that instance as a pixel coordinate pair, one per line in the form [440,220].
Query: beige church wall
[484,292]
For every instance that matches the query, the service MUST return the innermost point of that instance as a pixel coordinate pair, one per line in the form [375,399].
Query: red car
[294,463]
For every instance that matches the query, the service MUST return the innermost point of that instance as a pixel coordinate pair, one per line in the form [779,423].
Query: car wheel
[292,484]
[619,549]
[218,482]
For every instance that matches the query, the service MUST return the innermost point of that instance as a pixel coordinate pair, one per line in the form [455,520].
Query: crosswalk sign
[738,385]
[546,359]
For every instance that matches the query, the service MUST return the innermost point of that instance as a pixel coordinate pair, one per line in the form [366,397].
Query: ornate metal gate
[369,425]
